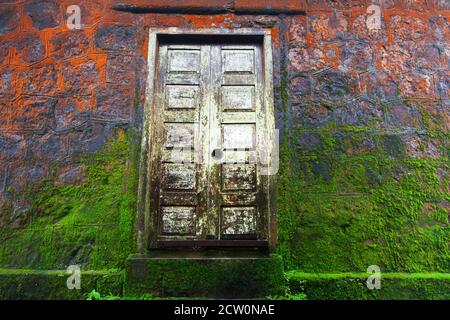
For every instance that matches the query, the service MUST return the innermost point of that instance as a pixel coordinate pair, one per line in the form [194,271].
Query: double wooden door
[208,140]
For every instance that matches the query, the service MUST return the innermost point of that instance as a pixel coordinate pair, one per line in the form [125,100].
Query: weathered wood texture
[207,128]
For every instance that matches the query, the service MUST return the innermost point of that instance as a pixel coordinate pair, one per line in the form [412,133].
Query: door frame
[146,229]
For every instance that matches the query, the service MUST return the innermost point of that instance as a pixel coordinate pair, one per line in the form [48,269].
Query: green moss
[299,275]
[32,284]
[318,286]
[356,198]
[381,225]
[91,224]
[205,277]
[375,206]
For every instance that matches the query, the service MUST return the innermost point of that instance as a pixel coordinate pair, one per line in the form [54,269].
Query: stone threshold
[205,274]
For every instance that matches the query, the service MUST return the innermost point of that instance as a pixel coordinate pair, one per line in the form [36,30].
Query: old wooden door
[207,143]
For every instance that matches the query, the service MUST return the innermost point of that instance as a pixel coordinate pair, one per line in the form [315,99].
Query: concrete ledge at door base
[352,286]
[23,284]
[205,274]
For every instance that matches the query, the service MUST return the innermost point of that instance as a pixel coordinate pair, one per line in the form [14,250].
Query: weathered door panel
[178,141]
[208,125]
[238,82]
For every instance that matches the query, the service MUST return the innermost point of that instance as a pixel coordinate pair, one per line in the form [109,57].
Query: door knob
[217,154]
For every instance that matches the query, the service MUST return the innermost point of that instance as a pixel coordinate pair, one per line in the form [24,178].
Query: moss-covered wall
[90,224]
[362,112]
[25,284]
[206,275]
[344,212]
[364,176]
[353,286]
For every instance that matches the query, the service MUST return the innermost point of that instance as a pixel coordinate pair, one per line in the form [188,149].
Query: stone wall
[365,164]
[362,109]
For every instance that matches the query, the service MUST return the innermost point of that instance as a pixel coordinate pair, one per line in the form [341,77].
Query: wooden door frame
[146,232]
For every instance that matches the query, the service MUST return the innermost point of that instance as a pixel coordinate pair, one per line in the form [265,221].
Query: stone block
[407,28]
[4,53]
[205,274]
[353,286]
[81,78]
[306,59]
[12,146]
[43,14]
[115,38]
[71,113]
[9,20]
[17,284]
[29,49]
[297,32]
[393,145]
[70,44]
[39,80]
[89,140]
[120,69]
[115,102]
[49,147]
[9,82]
[32,113]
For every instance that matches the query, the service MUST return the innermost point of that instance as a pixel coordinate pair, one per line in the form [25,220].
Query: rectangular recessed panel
[178,176]
[239,156]
[238,199]
[182,97]
[238,220]
[238,61]
[238,177]
[181,115]
[238,98]
[179,198]
[238,117]
[179,135]
[236,79]
[238,136]
[185,78]
[184,60]
[178,220]
[178,155]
